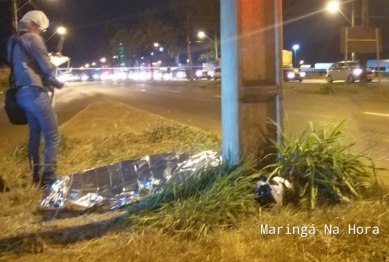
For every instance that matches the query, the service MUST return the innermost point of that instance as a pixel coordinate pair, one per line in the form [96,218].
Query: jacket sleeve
[40,54]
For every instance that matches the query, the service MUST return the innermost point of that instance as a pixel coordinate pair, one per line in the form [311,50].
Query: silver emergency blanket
[125,182]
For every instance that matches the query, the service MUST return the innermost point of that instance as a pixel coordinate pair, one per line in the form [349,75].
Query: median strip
[167,90]
[375,114]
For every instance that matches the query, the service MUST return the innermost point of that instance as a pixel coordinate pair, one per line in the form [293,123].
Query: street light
[60,30]
[334,7]
[201,34]
[295,48]
[103,60]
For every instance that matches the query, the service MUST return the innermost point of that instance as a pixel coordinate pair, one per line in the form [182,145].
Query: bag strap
[23,48]
[11,78]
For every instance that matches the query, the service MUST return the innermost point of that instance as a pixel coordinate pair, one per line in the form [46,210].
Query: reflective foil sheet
[125,182]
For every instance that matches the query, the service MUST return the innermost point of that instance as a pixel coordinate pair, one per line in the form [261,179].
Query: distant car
[201,74]
[349,72]
[180,74]
[293,74]
[217,73]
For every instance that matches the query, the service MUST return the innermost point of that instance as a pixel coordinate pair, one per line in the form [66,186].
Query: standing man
[32,70]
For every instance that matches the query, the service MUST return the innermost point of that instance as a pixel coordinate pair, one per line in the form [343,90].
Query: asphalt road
[323,81]
[199,104]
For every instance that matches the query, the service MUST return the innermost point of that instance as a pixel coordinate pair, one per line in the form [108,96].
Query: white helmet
[272,191]
[35,19]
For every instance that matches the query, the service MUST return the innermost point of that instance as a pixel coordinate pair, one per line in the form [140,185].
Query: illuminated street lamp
[334,7]
[103,60]
[87,65]
[201,34]
[156,45]
[295,48]
[93,64]
[60,30]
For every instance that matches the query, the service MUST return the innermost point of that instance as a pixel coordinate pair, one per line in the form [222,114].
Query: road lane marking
[375,114]
[172,91]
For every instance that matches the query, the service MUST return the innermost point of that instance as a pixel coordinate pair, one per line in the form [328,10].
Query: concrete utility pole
[365,13]
[363,57]
[189,51]
[251,48]
[14,9]
[188,46]
[353,57]
[216,47]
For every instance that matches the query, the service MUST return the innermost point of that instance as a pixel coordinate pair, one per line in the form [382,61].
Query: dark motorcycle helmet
[272,191]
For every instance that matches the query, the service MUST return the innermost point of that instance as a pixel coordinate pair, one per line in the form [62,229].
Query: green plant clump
[209,199]
[320,167]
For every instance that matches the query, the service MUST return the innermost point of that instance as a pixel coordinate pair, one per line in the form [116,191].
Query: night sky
[309,25]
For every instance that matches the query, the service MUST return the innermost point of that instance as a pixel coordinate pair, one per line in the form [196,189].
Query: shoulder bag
[15,113]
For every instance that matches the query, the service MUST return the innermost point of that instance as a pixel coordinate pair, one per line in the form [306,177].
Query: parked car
[201,74]
[217,73]
[293,74]
[348,71]
[180,74]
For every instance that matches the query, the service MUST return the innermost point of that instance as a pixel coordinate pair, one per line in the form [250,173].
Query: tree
[129,41]
[140,40]
[165,35]
[108,33]
[208,19]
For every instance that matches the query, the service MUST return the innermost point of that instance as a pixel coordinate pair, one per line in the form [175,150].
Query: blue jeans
[41,119]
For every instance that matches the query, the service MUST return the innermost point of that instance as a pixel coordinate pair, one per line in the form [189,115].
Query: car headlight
[302,74]
[84,77]
[357,71]
[63,78]
[199,73]
[290,75]
[181,74]
[96,76]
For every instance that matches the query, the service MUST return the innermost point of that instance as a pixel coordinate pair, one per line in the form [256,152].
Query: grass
[340,89]
[243,242]
[210,217]
[319,163]
[3,80]
[214,198]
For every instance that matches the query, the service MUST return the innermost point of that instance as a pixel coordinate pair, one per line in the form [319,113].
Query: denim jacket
[32,64]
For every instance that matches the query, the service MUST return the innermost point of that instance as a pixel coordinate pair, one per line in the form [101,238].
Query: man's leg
[34,141]
[49,125]
[26,99]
